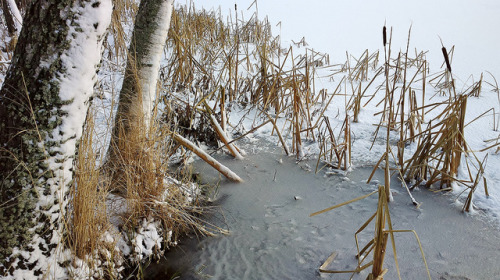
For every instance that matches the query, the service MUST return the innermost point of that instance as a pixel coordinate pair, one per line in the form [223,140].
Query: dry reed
[383,230]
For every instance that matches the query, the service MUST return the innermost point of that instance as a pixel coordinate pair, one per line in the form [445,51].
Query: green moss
[22,164]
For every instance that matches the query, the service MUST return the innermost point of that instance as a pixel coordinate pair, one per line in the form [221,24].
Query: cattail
[445,54]
[384,35]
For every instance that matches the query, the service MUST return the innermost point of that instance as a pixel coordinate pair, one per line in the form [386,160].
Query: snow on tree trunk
[9,18]
[138,91]
[18,19]
[43,104]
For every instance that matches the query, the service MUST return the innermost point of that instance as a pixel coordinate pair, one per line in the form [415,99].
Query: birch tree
[138,91]
[43,103]
[12,16]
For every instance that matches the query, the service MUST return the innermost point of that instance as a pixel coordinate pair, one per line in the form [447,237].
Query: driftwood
[207,158]
[228,142]
[225,139]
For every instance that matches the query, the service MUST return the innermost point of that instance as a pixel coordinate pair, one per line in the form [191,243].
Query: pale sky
[338,26]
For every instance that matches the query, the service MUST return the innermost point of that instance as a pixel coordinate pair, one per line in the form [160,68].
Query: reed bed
[442,146]
[235,64]
[238,63]
[216,66]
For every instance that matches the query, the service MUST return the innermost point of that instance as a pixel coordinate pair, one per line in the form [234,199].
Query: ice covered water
[273,237]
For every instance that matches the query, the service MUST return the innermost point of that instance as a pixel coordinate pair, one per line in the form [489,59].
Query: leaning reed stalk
[377,244]
[283,142]
[401,143]
[207,158]
[380,240]
[347,139]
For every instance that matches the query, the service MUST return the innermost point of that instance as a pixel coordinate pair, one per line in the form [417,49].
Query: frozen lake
[273,237]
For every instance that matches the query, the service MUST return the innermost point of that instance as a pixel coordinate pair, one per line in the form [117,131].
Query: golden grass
[88,215]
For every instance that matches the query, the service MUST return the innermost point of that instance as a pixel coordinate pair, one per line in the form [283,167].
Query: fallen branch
[223,136]
[207,158]
[225,139]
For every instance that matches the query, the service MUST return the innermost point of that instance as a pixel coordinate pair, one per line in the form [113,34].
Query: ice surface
[273,237]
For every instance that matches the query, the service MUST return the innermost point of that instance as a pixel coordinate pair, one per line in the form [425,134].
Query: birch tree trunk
[43,103]
[138,91]
[9,18]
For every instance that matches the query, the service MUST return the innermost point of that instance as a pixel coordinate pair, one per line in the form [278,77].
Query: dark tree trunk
[22,5]
[38,113]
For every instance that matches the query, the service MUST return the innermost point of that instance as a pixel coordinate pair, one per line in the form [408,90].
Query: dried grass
[377,245]
[88,198]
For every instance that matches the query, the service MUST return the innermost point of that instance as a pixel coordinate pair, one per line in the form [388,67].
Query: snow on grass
[148,240]
[190,190]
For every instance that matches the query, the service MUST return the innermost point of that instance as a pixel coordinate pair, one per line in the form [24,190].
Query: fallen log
[207,158]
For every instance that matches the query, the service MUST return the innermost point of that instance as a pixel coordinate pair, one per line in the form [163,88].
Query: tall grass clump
[439,153]
[88,220]
[141,196]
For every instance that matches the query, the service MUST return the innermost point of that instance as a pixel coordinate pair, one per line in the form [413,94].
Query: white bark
[76,86]
[138,92]
[148,73]
[207,158]
[225,139]
[16,15]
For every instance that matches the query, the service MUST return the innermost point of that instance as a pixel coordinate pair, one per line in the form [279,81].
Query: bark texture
[35,147]
[23,4]
[9,19]
[138,91]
